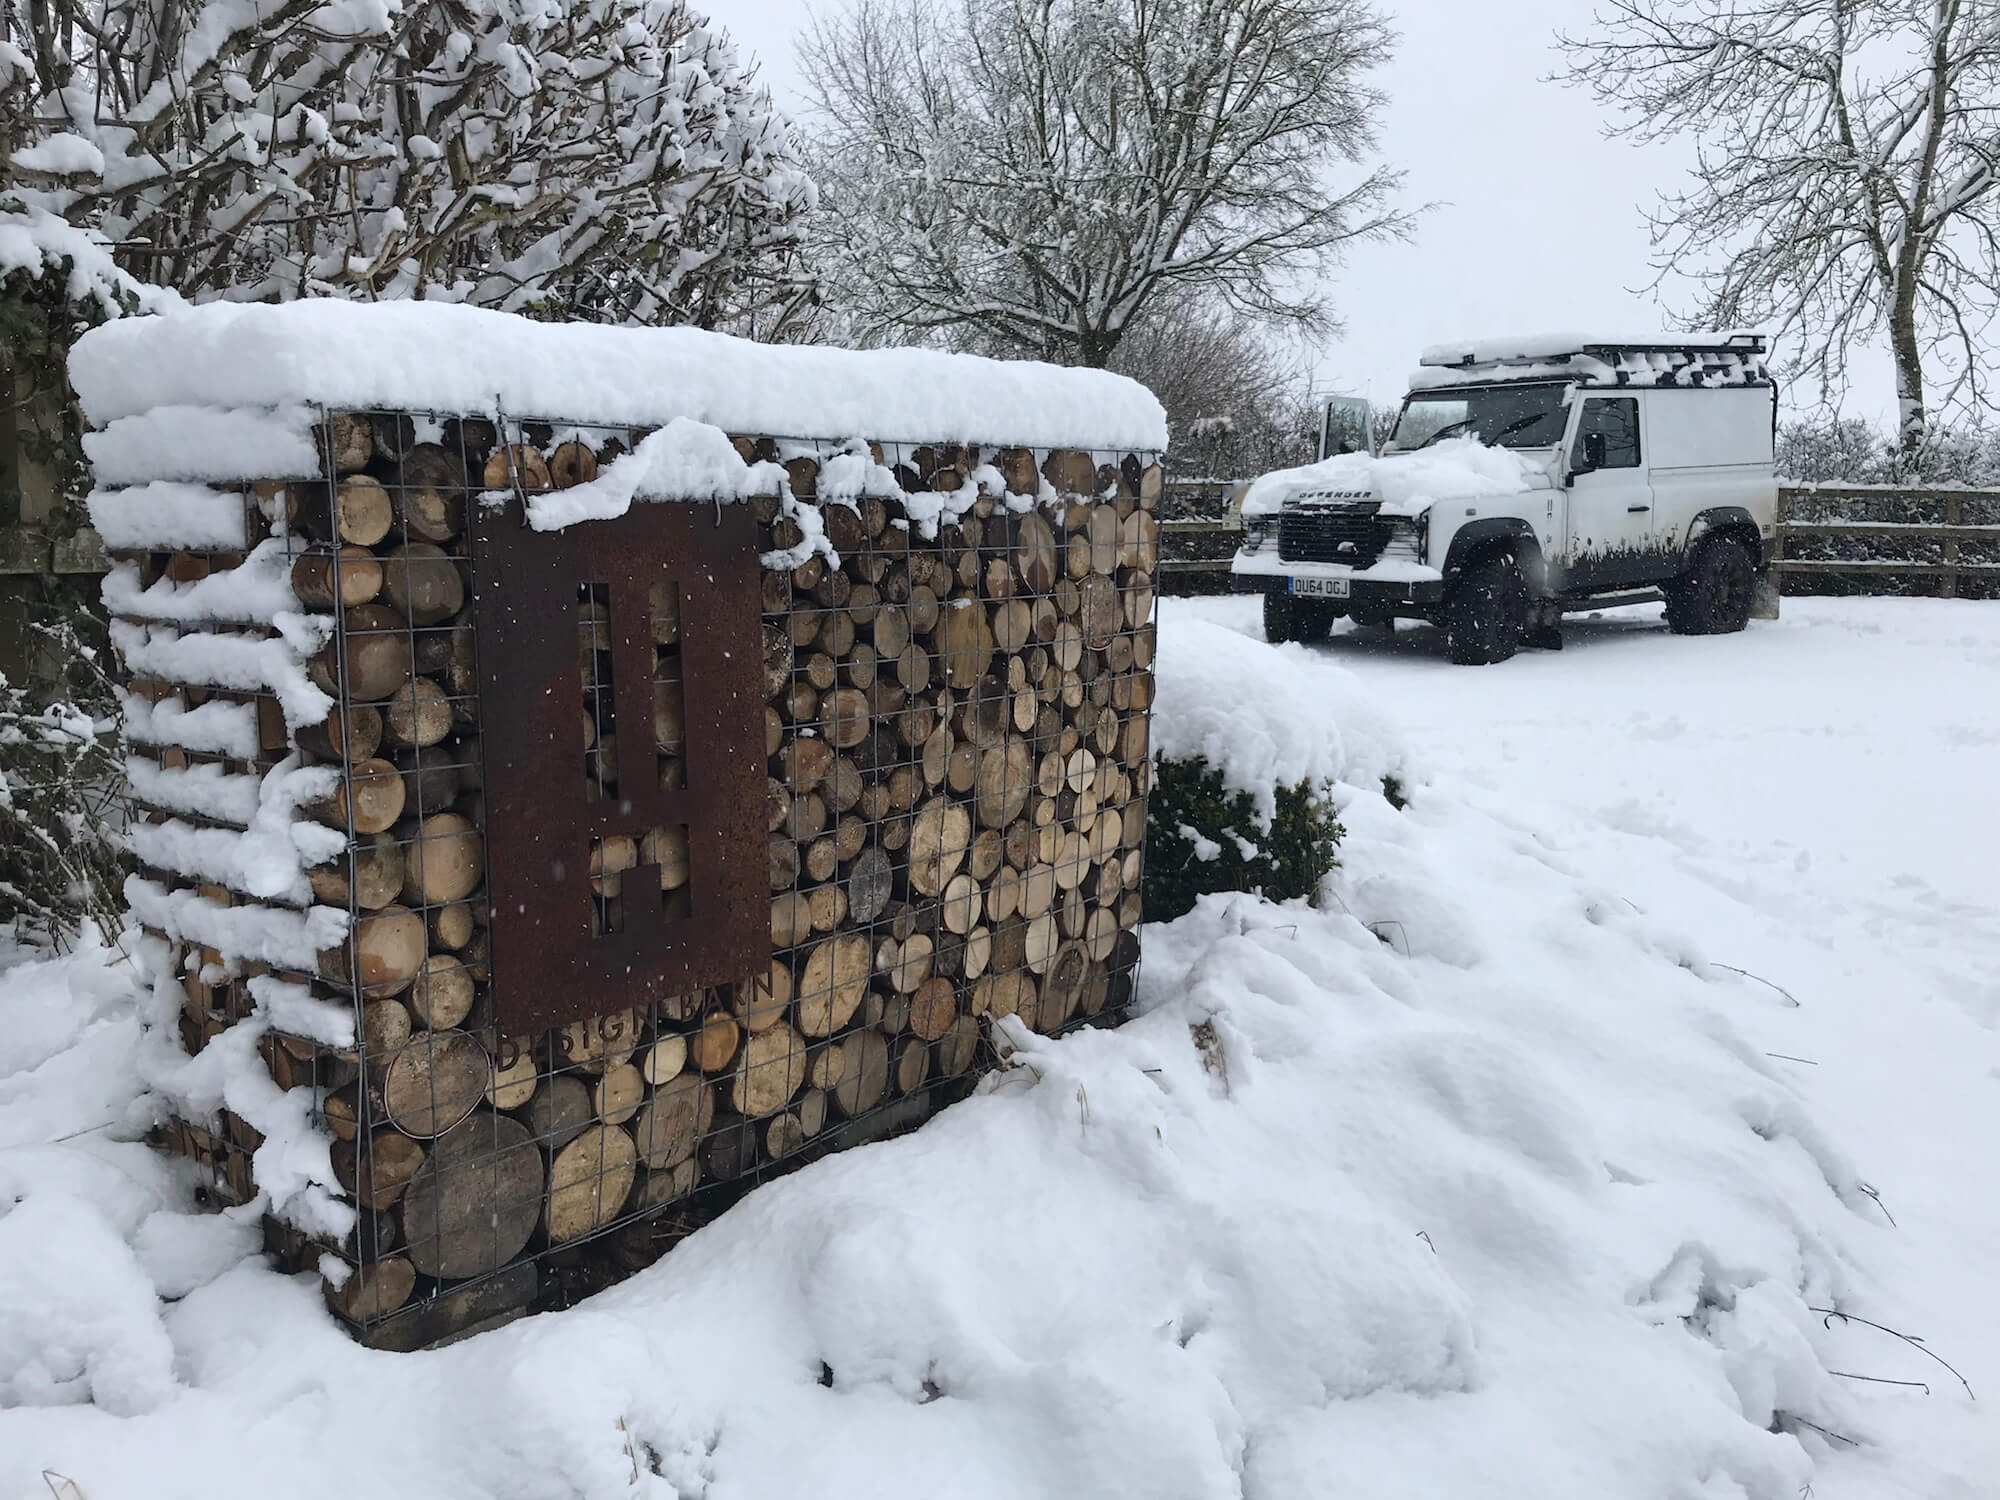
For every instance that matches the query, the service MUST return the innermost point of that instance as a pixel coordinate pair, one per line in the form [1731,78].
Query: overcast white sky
[1537,224]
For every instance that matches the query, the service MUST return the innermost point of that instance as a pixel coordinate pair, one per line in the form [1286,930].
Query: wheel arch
[1730,521]
[1484,537]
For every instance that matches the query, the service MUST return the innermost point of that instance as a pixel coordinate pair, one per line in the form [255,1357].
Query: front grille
[1351,534]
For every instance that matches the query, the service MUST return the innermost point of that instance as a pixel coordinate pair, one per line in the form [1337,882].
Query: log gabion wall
[927,814]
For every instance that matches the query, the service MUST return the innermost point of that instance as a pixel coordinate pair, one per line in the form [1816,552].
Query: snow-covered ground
[1495,1178]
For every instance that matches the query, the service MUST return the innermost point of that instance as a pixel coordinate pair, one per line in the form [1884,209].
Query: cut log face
[435,1081]
[365,513]
[673,1121]
[345,578]
[958,1048]
[965,643]
[572,464]
[377,1170]
[378,652]
[665,1058]
[374,1290]
[475,1202]
[514,1075]
[418,714]
[771,1069]
[1006,777]
[832,984]
[933,1009]
[390,947]
[865,1073]
[445,863]
[618,1094]
[430,494]
[589,1181]
[1067,974]
[713,1046]
[761,1003]
[351,734]
[442,994]
[939,838]
[517,466]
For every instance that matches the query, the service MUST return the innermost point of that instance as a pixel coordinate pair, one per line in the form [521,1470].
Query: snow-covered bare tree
[1236,404]
[605,159]
[1032,174]
[1847,182]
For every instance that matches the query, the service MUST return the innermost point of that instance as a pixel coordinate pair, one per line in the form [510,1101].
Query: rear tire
[1280,619]
[1714,595]
[1487,613]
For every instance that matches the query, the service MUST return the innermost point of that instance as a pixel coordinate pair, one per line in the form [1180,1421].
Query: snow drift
[1462,1185]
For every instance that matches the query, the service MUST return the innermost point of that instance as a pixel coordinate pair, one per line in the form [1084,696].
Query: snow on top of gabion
[438,357]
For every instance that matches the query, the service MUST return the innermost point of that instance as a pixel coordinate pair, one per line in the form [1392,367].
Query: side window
[1614,419]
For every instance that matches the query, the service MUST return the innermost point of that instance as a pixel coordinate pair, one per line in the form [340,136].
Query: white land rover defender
[1527,477]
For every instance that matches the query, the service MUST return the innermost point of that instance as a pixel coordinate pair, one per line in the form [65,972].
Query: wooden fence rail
[1949,567]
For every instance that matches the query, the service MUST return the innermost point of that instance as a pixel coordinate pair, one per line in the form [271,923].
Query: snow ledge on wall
[436,357]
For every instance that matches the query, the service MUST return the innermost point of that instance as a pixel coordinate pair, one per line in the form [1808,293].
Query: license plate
[1320,588]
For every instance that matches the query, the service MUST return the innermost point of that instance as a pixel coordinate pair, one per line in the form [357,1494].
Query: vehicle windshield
[1507,416]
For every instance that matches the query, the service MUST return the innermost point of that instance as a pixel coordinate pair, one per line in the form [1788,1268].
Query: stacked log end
[956,731]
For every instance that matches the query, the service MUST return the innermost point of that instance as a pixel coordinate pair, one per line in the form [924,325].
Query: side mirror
[1593,454]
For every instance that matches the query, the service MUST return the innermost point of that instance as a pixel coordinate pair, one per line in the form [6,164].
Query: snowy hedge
[1251,748]
[1201,837]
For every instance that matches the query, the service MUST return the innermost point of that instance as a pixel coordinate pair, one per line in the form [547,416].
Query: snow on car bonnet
[1403,482]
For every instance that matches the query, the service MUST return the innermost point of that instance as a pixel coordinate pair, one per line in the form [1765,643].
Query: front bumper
[1268,574]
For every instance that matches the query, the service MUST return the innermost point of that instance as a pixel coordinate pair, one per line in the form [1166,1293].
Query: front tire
[1487,613]
[1281,619]
[1714,595]
[1315,622]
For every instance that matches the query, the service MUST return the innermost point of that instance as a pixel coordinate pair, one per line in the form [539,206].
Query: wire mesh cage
[595,996]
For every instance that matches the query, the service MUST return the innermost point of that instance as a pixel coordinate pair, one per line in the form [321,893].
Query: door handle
[1634,510]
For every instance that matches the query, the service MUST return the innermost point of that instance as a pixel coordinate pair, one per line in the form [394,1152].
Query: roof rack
[1557,348]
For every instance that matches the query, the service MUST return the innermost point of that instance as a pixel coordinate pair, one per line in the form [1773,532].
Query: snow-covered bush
[1203,837]
[1253,745]
[61,856]
[61,776]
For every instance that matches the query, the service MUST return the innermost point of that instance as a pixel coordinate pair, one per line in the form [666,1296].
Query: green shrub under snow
[1202,837]
[61,858]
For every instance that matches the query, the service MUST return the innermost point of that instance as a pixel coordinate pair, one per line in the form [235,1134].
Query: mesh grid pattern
[957,765]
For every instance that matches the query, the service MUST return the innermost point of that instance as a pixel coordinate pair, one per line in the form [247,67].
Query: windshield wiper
[1516,425]
[1449,427]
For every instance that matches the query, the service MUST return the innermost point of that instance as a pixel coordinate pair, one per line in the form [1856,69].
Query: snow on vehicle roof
[1556,346]
[440,357]
[1691,368]
[1665,359]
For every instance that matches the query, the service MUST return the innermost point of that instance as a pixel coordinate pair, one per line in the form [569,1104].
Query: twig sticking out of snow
[1922,1385]
[1828,1314]
[1731,968]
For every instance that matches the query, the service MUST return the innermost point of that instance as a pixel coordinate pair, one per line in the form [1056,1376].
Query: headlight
[1255,530]
[1412,533]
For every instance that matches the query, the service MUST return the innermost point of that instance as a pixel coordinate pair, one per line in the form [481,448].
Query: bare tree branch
[602,159]
[1847,182]
[1033,174]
